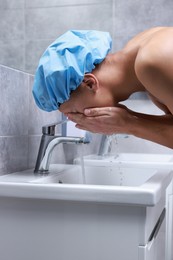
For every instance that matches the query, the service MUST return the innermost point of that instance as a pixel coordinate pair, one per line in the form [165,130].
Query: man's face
[89,94]
[84,97]
[78,101]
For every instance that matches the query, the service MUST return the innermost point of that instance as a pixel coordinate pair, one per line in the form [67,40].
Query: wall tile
[12,54]
[143,106]
[14,105]
[48,3]
[34,50]
[13,154]
[38,117]
[12,25]
[33,146]
[133,16]
[6,4]
[132,144]
[139,95]
[49,23]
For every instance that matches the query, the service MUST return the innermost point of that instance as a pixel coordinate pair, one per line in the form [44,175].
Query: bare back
[157,45]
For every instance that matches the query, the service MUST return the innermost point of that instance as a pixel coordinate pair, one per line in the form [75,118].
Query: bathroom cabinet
[40,229]
[169,222]
[116,214]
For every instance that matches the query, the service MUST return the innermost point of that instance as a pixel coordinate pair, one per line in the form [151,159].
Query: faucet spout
[48,142]
[44,164]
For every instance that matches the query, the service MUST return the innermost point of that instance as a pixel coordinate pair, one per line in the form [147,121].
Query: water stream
[116,152]
[82,165]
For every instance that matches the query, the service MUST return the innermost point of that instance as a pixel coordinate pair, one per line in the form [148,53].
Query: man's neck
[124,80]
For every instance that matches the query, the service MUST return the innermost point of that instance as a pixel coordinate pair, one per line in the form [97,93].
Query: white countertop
[27,185]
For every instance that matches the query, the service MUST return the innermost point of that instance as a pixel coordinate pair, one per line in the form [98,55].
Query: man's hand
[112,120]
[106,120]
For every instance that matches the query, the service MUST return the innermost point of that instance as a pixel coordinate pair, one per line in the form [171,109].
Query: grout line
[67,5]
[28,119]
[24,35]
[113,14]
[9,9]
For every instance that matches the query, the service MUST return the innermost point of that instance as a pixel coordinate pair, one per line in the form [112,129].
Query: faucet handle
[50,129]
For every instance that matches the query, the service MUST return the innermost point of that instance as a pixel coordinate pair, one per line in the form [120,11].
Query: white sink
[114,211]
[145,160]
[103,175]
[103,181]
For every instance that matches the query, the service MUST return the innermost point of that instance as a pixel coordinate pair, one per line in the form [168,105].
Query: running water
[82,166]
[120,170]
[116,152]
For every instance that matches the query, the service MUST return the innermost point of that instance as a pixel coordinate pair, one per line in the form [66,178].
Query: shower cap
[62,66]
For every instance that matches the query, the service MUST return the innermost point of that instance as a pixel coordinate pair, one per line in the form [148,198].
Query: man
[144,64]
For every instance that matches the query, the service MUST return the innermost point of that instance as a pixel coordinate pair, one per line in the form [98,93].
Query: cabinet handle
[156,228]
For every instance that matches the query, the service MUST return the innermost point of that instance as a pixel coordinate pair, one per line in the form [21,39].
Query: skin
[144,64]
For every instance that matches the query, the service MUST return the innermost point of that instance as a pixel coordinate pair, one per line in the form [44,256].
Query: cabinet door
[155,248]
[169,228]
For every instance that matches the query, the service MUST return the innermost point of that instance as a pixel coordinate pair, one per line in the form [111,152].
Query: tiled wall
[27,27]
[21,123]
[133,16]
[20,120]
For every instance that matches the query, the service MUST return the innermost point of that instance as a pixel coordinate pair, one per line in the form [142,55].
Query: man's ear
[91,82]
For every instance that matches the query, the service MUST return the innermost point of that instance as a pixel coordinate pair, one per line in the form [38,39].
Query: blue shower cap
[62,66]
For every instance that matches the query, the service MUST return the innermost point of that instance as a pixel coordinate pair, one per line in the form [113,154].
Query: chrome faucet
[48,142]
[106,143]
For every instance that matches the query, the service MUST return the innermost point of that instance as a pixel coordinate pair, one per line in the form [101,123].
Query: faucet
[106,143]
[48,142]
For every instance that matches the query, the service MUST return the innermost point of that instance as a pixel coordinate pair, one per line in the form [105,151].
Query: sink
[114,209]
[102,181]
[145,160]
[112,175]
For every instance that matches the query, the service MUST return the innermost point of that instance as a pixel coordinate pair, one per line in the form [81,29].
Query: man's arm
[158,129]
[111,120]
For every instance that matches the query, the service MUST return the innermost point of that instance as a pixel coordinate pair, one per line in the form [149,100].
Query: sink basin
[98,175]
[147,158]
[101,181]
[131,159]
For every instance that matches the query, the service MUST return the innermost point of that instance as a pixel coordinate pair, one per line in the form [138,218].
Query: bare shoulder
[161,40]
[157,52]
[142,38]
[154,66]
